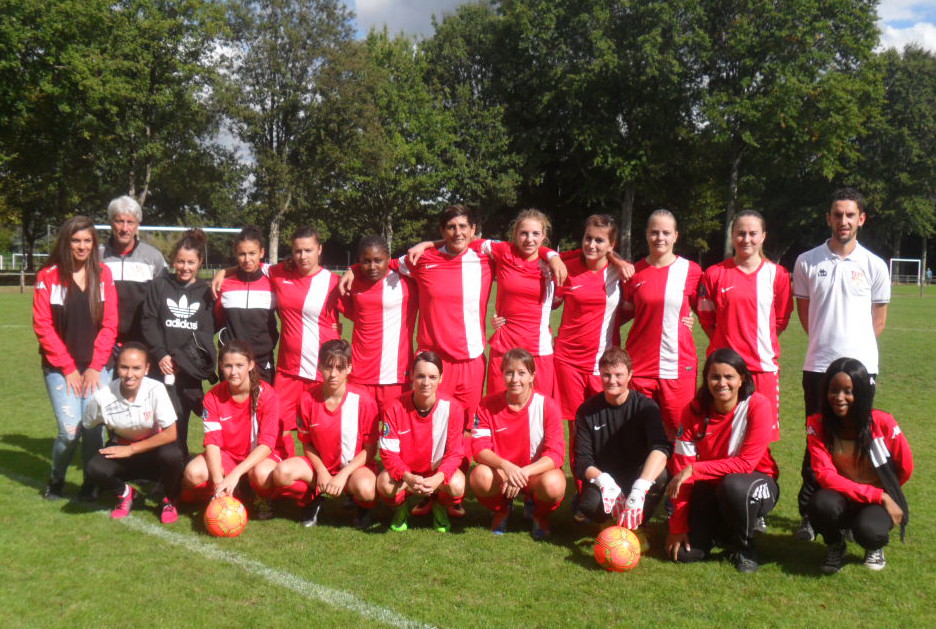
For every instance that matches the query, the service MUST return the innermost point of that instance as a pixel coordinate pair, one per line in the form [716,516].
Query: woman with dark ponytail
[178,326]
[243,434]
[860,458]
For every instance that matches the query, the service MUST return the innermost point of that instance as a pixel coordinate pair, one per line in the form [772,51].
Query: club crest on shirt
[477,421]
[384,429]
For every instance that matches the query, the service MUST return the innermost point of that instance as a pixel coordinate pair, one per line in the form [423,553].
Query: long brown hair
[238,346]
[61,257]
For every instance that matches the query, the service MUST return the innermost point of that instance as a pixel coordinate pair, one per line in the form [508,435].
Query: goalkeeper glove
[609,490]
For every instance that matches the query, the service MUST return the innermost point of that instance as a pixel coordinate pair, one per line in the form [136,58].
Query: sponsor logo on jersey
[822,273]
[183,311]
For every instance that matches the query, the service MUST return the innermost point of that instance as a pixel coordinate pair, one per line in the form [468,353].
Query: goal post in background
[906,271]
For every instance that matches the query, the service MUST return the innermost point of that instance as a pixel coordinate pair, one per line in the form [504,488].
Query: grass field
[65,565]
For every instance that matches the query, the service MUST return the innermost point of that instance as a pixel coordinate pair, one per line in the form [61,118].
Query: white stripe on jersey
[471,302]
[477,433]
[212,426]
[613,298]
[57,295]
[685,448]
[879,453]
[392,301]
[311,313]
[260,299]
[738,427]
[130,270]
[537,428]
[440,420]
[766,277]
[390,445]
[545,338]
[349,426]
[672,305]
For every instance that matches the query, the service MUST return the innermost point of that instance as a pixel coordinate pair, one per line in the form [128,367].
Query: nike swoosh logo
[404,432]
[639,284]
[312,425]
[224,419]
[500,429]
[287,282]
[600,427]
[575,287]
[725,290]
[429,266]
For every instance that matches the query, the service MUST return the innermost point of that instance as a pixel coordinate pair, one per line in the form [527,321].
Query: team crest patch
[384,429]
[477,421]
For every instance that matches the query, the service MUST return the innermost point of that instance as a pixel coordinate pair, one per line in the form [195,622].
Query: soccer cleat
[745,561]
[124,504]
[499,522]
[579,517]
[424,507]
[440,518]
[835,557]
[456,510]
[169,512]
[805,532]
[529,507]
[361,519]
[55,490]
[262,508]
[398,523]
[88,492]
[874,559]
[760,524]
[540,528]
[310,514]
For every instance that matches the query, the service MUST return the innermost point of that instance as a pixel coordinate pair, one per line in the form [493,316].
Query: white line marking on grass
[334,598]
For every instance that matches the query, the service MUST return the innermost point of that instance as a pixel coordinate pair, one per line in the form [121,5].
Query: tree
[273,59]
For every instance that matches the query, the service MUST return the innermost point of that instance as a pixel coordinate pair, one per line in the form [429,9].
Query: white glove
[629,513]
[609,490]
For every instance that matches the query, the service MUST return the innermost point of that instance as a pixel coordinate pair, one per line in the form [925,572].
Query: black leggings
[830,512]
[591,505]
[724,512]
[186,395]
[164,464]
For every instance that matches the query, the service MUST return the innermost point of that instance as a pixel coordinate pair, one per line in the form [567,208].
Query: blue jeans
[69,409]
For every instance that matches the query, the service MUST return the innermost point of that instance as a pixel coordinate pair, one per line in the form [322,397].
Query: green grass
[65,565]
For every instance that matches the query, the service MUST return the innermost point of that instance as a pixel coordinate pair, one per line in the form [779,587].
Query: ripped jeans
[69,409]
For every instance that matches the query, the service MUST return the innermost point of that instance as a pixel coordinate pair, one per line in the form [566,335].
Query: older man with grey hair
[133,264]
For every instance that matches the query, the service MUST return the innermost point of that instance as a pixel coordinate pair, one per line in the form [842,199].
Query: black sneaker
[55,490]
[88,492]
[745,561]
[361,519]
[805,532]
[311,513]
[835,557]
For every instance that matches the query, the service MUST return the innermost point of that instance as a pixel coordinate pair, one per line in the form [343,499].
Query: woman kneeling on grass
[860,458]
[518,443]
[725,477]
[337,425]
[421,446]
[141,422]
[243,433]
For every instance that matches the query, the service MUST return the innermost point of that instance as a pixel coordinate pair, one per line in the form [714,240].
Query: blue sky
[902,21]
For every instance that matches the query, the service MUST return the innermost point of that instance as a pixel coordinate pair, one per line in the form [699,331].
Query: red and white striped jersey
[747,311]
[421,445]
[453,298]
[232,427]
[308,312]
[522,437]
[384,316]
[591,320]
[657,299]
[524,298]
[338,435]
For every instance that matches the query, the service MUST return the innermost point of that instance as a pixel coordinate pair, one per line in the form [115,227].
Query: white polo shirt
[149,413]
[840,293]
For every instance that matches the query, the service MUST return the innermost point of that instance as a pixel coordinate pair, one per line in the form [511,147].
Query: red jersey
[384,316]
[232,427]
[308,312]
[453,298]
[737,442]
[338,435]
[747,311]
[591,320]
[421,445]
[658,298]
[524,299]
[522,437]
[888,442]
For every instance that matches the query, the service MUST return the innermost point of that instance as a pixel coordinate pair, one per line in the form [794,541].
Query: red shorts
[372,466]
[383,394]
[463,380]
[543,383]
[767,383]
[289,390]
[670,395]
[574,386]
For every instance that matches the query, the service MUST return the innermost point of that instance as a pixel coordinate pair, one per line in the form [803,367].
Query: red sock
[364,504]
[542,510]
[298,491]
[497,504]
[395,500]
[198,493]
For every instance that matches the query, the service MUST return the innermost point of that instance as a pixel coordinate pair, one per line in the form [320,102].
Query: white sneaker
[874,559]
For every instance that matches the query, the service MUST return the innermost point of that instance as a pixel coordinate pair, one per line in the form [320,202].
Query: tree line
[272,112]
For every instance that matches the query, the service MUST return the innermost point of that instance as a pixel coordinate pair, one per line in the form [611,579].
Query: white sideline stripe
[330,596]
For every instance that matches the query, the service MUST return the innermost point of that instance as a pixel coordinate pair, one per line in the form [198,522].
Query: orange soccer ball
[617,549]
[225,517]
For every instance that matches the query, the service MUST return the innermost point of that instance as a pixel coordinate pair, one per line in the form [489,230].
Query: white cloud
[922,33]
[410,16]
[906,11]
